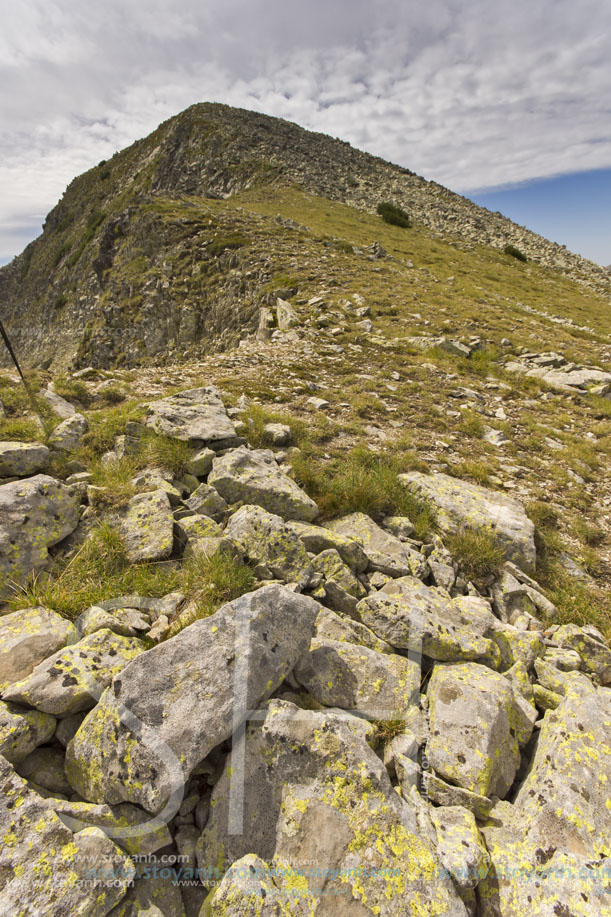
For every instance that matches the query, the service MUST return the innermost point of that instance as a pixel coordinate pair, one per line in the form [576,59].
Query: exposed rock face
[22,459]
[29,636]
[197,415]
[34,515]
[314,792]
[147,527]
[384,552]
[45,867]
[21,731]
[461,504]
[129,749]
[268,541]
[252,476]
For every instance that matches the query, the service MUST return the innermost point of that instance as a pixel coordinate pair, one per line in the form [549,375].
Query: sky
[508,103]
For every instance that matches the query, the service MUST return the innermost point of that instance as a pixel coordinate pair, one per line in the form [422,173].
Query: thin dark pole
[29,391]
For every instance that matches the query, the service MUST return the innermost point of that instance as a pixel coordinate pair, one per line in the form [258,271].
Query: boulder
[411,616]
[207,502]
[318,539]
[27,637]
[337,626]
[201,463]
[379,686]
[384,551]
[172,705]
[34,515]
[476,728]
[68,436]
[315,802]
[278,434]
[253,476]
[46,869]
[460,845]
[594,654]
[18,460]
[153,893]
[128,826]
[21,731]
[548,849]
[59,405]
[267,540]
[461,504]
[252,887]
[342,589]
[147,527]
[44,769]
[197,416]
[73,679]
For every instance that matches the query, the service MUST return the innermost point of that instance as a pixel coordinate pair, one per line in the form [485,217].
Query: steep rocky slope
[125,265]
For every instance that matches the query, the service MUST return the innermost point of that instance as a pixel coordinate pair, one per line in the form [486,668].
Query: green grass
[256,416]
[477,552]
[210,583]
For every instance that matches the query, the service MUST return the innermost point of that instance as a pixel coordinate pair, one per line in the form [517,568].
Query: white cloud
[471,93]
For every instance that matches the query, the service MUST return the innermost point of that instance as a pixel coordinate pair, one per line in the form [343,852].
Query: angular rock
[152,895]
[18,460]
[46,869]
[172,705]
[411,616]
[201,463]
[252,887]
[206,548]
[376,685]
[73,679]
[336,626]
[318,539]
[595,655]
[252,476]
[68,436]
[34,515]
[29,636]
[207,502]
[278,434]
[267,540]
[446,794]
[197,415]
[60,406]
[152,479]
[285,315]
[474,728]
[385,553]
[461,504]
[314,792]
[95,618]
[128,826]
[44,768]
[21,731]
[343,590]
[147,527]
[460,846]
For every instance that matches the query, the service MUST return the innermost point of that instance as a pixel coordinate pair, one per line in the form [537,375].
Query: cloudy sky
[476,94]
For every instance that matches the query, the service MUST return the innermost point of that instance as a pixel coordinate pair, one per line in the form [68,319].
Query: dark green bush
[515,252]
[392,214]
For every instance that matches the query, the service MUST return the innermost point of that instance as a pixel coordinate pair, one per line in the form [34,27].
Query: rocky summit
[305,544]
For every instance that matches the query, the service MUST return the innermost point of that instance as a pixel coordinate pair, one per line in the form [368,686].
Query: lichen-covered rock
[153,479]
[548,849]
[197,416]
[252,888]
[318,539]
[129,624]
[172,705]
[446,794]
[73,679]
[267,540]
[44,768]
[46,869]
[18,460]
[461,504]
[460,846]
[207,548]
[128,826]
[385,553]
[27,637]
[342,589]
[207,502]
[476,728]
[333,625]
[595,655]
[200,463]
[147,527]
[35,514]
[21,731]
[409,615]
[68,436]
[189,528]
[253,476]
[313,792]
[376,685]
[152,895]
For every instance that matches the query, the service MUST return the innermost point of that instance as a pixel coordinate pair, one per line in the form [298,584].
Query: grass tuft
[477,552]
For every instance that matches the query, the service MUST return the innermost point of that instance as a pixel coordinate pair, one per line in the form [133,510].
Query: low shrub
[514,252]
[393,214]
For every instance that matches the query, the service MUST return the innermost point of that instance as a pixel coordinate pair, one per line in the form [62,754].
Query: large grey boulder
[46,869]
[147,527]
[267,540]
[197,416]
[21,731]
[558,828]
[73,679]
[384,551]
[27,637]
[476,728]
[333,625]
[128,826]
[253,476]
[461,504]
[379,686]
[173,704]
[411,616]
[311,791]
[22,459]
[68,436]
[34,515]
